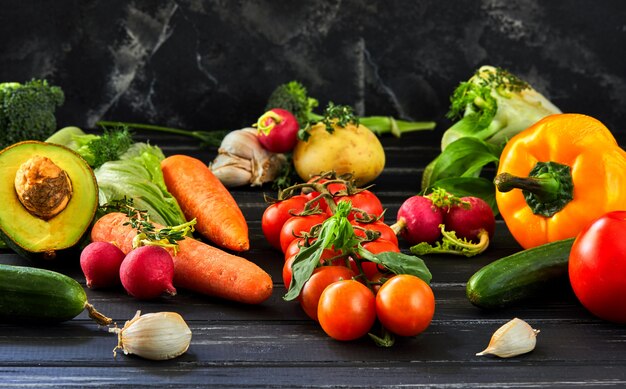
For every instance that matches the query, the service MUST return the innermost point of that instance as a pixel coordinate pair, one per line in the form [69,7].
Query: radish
[418,220]
[100,263]
[467,227]
[147,272]
[469,217]
[278,130]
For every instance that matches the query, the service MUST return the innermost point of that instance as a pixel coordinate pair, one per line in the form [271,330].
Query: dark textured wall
[211,64]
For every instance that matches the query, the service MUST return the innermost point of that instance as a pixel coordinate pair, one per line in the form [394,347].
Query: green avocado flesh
[22,230]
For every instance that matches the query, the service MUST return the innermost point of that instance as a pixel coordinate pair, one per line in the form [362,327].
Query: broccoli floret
[27,110]
[494,105]
[293,97]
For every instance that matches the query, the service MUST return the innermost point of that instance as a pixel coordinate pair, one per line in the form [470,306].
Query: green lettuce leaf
[137,175]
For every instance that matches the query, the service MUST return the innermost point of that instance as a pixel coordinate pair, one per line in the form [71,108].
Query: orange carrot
[198,266]
[202,196]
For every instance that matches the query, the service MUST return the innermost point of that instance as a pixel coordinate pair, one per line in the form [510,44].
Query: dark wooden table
[274,344]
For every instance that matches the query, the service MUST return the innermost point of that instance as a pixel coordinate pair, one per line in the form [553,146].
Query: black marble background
[212,64]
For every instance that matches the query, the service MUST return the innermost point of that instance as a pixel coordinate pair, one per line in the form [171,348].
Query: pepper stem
[548,188]
[544,187]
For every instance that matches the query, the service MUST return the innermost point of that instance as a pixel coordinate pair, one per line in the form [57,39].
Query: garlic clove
[514,338]
[243,143]
[231,170]
[156,336]
[267,170]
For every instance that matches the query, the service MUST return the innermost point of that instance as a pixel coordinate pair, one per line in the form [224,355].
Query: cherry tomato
[385,231]
[294,247]
[296,225]
[405,305]
[346,310]
[326,255]
[597,267]
[287,272]
[320,279]
[378,280]
[375,247]
[332,188]
[381,246]
[277,214]
[365,201]
[296,244]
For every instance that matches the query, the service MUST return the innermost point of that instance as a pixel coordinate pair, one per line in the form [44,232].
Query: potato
[349,149]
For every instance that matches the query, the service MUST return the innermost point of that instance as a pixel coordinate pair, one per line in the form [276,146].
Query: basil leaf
[307,259]
[399,263]
[465,157]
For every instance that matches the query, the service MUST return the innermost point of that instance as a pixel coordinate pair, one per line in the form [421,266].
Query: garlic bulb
[242,160]
[514,338]
[156,336]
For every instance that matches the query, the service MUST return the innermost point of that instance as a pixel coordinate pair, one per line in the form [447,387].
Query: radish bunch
[443,223]
[145,272]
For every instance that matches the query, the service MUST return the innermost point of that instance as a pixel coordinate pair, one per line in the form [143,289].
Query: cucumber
[29,294]
[516,277]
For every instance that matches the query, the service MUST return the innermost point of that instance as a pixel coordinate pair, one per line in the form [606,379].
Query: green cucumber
[518,276]
[29,294]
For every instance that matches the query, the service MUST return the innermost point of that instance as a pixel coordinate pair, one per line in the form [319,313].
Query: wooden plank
[480,375]
[232,342]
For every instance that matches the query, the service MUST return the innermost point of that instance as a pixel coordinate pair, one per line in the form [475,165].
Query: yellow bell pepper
[557,176]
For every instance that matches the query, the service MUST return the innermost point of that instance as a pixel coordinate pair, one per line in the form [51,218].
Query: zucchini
[518,276]
[29,294]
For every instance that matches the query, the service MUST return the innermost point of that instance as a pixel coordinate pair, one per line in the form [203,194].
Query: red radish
[418,220]
[278,130]
[469,217]
[100,262]
[147,272]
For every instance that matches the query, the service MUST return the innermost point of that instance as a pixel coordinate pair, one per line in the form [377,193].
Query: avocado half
[50,216]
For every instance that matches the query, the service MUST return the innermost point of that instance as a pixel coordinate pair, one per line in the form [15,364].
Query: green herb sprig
[147,233]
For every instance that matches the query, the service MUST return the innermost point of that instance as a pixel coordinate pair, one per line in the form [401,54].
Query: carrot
[198,266]
[202,196]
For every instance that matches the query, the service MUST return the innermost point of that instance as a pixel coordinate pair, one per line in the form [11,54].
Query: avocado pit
[42,187]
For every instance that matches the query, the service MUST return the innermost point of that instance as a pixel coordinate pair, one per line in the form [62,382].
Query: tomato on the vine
[375,247]
[320,279]
[296,225]
[386,232]
[378,279]
[287,271]
[327,254]
[277,214]
[405,305]
[597,267]
[346,310]
[332,188]
[366,202]
[381,246]
[294,248]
